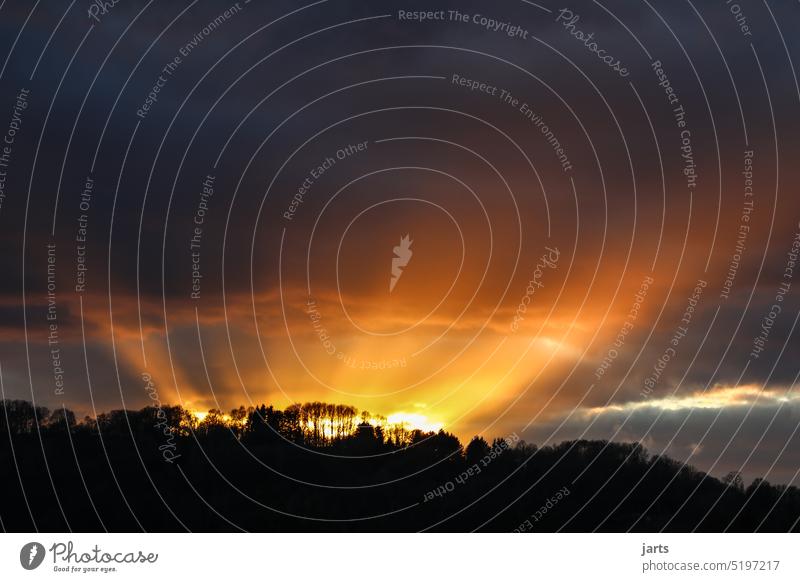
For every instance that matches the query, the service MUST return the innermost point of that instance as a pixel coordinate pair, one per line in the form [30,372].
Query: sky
[598,200]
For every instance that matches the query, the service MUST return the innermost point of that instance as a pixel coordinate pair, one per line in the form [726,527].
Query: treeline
[324,467]
[316,424]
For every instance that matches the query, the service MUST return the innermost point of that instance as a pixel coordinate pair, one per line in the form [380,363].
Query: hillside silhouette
[325,467]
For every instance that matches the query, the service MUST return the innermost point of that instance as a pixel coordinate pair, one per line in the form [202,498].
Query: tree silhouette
[365,466]
[476,450]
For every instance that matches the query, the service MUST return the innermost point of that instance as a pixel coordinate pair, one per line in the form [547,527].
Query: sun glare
[411,420]
[715,399]
[200,416]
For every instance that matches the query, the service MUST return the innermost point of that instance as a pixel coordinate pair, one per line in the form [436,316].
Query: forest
[329,467]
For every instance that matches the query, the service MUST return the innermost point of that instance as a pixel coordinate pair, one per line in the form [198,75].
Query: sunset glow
[715,399]
[317,260]
[414,421]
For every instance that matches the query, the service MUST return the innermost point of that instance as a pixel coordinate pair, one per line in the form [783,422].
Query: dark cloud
[271,115]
